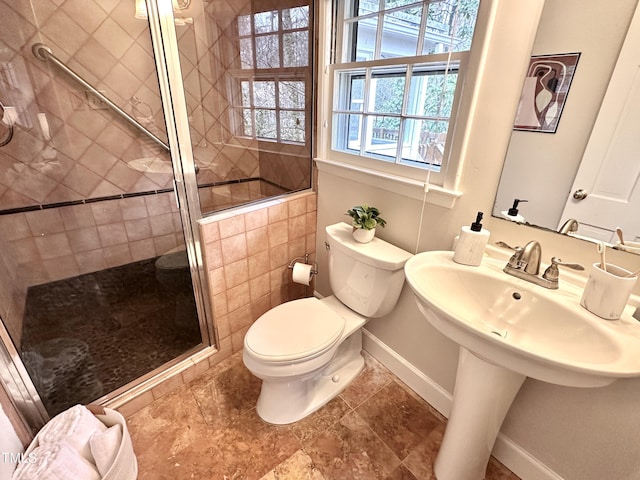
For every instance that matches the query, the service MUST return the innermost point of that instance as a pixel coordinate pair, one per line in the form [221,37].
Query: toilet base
[281,403]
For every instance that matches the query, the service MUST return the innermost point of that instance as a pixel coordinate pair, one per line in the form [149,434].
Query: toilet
[172,270]
[307,351]
[174,276]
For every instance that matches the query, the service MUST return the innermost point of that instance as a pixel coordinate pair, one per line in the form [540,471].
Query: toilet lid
[298,329]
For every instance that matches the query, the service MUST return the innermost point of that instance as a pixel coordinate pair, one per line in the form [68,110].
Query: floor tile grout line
[420,400]
[342,410]
[369,397]
[379,437]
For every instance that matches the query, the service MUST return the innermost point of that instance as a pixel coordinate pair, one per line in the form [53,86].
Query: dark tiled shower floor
[86,336]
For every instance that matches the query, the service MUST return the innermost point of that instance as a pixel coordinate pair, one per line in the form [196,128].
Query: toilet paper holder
[305,259]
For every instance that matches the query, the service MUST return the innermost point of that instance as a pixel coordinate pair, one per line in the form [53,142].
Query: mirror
[546,169]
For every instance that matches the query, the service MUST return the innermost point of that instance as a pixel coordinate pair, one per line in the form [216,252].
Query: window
[271,84]
[398,69]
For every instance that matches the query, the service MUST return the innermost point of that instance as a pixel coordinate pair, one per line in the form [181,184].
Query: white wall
[580,434]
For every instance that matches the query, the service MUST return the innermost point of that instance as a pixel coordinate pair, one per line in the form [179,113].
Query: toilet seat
[175,259]
[300,329]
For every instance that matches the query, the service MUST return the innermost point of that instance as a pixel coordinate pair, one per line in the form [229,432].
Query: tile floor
[208,429]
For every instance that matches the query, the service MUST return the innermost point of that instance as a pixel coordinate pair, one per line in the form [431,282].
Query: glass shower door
[96,286]
[247,74]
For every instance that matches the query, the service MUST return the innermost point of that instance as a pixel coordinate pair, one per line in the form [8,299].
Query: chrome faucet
[527,258]
[525,264]
[570,226]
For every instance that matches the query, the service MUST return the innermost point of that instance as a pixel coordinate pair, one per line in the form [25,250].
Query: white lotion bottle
[470,246]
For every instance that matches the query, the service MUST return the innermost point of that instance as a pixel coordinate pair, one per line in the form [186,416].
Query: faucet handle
[502,244]
[552,273]
[516,258]
[558,261]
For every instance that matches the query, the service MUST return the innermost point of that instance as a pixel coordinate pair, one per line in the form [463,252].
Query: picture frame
[545,92]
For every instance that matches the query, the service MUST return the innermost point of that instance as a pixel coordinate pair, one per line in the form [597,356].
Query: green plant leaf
[366,217]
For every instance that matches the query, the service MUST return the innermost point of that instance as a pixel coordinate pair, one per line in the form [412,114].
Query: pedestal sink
[509,329]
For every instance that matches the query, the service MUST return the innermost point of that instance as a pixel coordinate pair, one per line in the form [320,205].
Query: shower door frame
[174,104]
[13,375]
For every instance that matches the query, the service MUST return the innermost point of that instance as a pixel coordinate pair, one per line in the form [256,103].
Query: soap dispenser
[513,214]
[471,242]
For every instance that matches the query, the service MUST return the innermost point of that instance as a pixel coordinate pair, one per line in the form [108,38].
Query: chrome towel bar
[44,53]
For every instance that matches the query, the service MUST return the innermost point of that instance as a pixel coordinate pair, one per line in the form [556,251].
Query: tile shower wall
[246,256]
[220,155]
[220,197]
[221,65]
[52,244]
[11,301]
[89,151]
[289,171]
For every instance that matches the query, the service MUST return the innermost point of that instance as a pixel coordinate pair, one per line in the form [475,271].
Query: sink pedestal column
[481,399]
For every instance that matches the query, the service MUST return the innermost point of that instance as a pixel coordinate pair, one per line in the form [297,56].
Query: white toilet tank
[366,277]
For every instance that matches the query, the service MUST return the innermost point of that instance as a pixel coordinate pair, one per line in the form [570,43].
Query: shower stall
[122,123]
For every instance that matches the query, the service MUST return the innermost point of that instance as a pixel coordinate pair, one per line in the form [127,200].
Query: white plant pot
[363,236]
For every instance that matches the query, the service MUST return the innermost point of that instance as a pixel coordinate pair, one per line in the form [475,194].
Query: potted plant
[365,219]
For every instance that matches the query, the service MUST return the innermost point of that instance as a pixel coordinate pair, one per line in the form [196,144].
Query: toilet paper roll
[302,273]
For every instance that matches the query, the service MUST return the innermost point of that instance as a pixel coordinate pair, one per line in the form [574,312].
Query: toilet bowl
[307,351]
[174,276]
[172,270]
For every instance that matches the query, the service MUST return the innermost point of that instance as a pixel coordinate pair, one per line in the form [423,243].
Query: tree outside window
[273,75]
[398,68]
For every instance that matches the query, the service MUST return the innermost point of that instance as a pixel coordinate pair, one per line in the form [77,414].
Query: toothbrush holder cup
[607,293]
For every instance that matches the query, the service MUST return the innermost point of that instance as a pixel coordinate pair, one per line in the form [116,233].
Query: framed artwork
[545,91]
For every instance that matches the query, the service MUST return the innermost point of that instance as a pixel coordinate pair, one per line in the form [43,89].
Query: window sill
[393,183]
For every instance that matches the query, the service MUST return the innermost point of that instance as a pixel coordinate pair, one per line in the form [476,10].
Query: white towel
[56,462]
[105,446]
[75,426]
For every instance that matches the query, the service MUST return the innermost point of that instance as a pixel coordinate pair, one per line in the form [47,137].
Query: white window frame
[277,108]
[443,186]
[406,67]
[275,75]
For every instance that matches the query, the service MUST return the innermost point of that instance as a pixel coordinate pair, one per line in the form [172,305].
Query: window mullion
[276,88]
[254,56]
[276,80]
[400,142]
[403,112]
[367,126]
[377,51]
[431,58]
[280,41]
[422,30]
[252,109]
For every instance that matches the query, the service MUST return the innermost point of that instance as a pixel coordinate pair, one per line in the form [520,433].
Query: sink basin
[507,330]
[540,333]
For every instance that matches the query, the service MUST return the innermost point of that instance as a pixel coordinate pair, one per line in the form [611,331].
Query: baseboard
[509,453]
[433,393]
[520,461]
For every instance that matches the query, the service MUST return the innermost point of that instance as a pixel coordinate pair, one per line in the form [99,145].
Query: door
[606,191]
